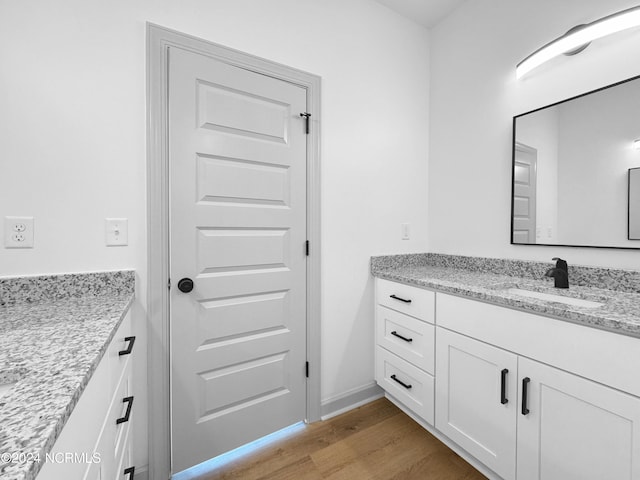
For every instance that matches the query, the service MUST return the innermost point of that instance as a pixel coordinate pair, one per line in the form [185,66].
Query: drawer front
[411,339]
[124,469]
[410,385]
[102,469]
[413,301]
[118,362]
[121,414]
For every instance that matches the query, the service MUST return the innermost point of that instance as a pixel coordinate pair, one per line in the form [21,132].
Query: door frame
[159,39]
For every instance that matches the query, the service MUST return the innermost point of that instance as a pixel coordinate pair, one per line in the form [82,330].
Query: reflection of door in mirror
[634,203]
[524,194]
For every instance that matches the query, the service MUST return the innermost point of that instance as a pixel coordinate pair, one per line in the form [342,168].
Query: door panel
[237,163]
[576,429]
[524,194]
[468,399]
[239,181]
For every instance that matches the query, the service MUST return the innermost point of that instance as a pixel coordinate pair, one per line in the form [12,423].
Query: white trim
[159,39]
[351,399]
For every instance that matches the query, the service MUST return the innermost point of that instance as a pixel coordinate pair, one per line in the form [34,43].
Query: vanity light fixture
[579,37]
[636,144]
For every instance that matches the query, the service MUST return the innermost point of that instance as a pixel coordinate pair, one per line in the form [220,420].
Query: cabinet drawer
[124,468]
[103,469]
[121,413]
[410,385]
[413,301]
[118,362]
[409,338]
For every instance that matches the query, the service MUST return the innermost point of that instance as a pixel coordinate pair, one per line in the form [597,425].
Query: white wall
[72,137]
[474,95]
[596,153]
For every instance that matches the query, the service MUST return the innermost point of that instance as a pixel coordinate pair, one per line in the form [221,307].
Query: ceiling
[425,12]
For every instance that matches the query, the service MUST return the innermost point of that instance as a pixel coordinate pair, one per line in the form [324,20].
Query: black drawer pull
[129,349]
[525,392]
[400,298]
[129,402]
[393,377]
[396,334]
[503,386]
[131,471]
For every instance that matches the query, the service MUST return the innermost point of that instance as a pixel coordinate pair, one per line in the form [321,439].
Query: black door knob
[185,285]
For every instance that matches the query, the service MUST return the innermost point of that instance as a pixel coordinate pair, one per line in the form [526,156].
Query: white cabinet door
[575,429]
[476,404]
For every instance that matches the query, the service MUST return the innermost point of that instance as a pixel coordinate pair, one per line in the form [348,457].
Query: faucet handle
[560,263]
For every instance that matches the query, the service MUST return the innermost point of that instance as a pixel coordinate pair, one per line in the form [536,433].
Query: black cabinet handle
[503,386]
[393,377]
[131,471]
[400,298]
[525,391]
[129,348]
[129,402]
[396,334]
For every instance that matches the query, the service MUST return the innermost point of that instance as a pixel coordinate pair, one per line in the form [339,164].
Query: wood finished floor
[374,442]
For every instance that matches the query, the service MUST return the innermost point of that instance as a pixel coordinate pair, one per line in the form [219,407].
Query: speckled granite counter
[488,280]
[54,331]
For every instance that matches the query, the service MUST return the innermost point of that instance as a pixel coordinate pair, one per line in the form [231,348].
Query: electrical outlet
[117,231]
[18,232]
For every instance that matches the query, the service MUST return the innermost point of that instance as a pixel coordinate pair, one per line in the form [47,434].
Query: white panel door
[238,230]
[575,429]
[476,399]
[524,194]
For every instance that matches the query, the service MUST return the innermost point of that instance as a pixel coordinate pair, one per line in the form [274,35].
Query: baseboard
[142,473]
[350,400]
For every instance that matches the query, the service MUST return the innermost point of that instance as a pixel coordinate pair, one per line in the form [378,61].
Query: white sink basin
[578,302]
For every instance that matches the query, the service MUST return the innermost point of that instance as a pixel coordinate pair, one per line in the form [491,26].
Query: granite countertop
[50,345]
[619,312]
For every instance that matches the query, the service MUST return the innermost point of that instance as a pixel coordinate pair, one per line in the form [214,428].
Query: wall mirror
[573,163]
[634,204]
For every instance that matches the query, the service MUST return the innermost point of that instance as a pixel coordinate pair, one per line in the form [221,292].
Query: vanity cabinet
[523,418]
[95,443]
[520,395]
[405,341]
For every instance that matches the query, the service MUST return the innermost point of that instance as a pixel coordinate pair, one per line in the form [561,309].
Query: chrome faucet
[560,273]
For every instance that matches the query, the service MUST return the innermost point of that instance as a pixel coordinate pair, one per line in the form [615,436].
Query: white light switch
[117,231]
[18,232]
[405,231]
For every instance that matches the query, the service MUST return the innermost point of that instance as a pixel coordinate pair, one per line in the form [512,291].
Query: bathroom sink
[549,297]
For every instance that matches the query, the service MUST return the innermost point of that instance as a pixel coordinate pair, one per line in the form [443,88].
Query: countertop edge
[31,471]
[550,310]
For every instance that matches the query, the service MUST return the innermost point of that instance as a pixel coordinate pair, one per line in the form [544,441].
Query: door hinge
[306,116]
[307,369]
[169,284]
[306,247]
